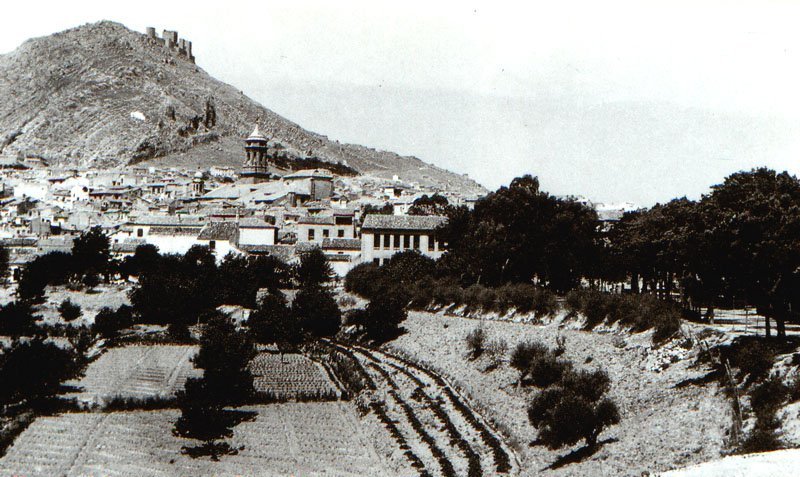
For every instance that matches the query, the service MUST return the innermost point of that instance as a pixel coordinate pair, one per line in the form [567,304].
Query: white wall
[256,236]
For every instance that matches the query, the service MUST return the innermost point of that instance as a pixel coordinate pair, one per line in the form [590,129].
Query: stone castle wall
[171,42]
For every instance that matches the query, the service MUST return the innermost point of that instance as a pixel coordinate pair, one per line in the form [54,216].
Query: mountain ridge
[103,95]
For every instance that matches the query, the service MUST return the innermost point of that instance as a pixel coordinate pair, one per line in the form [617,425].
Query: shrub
[524,354]
[496,352]
[476,339]
[563,417]
[639,312]
[69,311]
[547,369]
[526,298]
[574,410]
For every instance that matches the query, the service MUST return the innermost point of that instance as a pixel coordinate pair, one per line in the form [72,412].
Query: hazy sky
[617,101]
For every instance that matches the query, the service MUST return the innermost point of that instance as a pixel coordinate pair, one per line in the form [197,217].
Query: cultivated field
[662,426]
[289,376]
[308,439]
[137,372]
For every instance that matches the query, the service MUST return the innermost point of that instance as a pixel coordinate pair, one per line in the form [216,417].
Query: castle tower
[256,163]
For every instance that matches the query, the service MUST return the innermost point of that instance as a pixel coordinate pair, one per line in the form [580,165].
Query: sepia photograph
[400,239]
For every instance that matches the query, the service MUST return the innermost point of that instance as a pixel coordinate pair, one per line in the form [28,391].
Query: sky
[615,101]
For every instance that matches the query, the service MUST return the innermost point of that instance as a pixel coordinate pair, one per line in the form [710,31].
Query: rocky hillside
[102,94]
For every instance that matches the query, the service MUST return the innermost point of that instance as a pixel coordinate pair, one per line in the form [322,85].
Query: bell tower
[256,162]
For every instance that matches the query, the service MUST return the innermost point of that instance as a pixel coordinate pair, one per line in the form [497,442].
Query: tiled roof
[18,242]
[332,257]
[306,246]
[316,220]
[310,173]
[173,230]
[220,231]
[169,220]
[128,246]
[402,222]
[341,244]
[254,223]
[281,252]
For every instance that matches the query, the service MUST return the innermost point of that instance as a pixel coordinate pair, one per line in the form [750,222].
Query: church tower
[256,162]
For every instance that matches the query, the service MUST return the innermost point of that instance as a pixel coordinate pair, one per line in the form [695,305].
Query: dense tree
[381,319]
[91,251]
[205,419]
[385,209]
[275,322]
[4,261]
[52,268]
[145,259]
[758,213]
[317,311]
[17,319]
[435,204]
[33,370]
[314,269]
[225,353]
[108,322]
[519,234]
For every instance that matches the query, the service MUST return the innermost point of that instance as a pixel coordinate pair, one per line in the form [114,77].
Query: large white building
[384,235]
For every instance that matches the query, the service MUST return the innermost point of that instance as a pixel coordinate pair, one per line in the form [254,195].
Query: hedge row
[639,312]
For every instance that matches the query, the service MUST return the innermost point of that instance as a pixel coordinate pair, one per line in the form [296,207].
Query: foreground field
[319,439]
[662,426]
[137,372]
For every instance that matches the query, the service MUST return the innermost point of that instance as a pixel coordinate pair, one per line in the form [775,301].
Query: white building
[384,235]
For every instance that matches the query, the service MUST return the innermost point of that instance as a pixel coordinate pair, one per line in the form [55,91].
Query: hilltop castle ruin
[171,42]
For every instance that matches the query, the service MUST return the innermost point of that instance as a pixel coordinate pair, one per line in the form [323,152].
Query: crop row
[436,406]
[501,458]
[380,410]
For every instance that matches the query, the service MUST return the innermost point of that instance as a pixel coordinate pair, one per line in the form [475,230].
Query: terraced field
[289,376]
[137,372]
[309,439]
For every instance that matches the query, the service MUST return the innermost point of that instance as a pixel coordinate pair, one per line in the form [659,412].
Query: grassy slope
[662,427]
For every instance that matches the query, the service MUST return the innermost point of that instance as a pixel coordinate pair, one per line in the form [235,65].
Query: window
[326,233]
[386,241]
[140,233]
[430,244]
[340,233]
[376,261]
[416,242]
[397,241]
[310,234]
[212,244]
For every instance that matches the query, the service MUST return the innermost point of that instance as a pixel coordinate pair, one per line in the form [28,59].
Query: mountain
[104,95]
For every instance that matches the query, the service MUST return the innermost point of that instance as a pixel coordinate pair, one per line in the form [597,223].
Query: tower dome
[256,162]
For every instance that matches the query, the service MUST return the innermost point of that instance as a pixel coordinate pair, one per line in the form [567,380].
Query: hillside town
[193,284]
[259,209]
